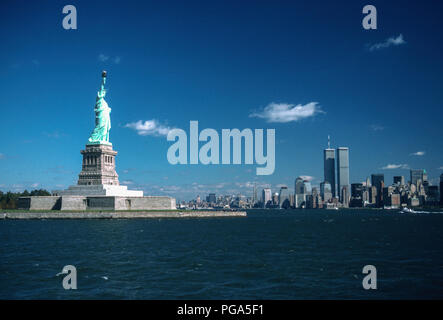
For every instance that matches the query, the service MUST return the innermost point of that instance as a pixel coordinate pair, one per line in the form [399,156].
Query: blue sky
[219,62]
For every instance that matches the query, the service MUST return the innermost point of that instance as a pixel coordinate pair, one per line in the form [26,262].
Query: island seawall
[120,214]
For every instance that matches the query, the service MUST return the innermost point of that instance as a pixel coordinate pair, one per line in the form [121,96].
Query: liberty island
[98,186]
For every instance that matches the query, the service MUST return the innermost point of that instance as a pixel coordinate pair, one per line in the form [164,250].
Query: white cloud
[395,166]
[55,134]
[149,128]
[418,153]
[105,58]
[285,112]
[376,127]
[441,168]
[35,185]
[2,156]
[102,57]
[307,178]
[387,43]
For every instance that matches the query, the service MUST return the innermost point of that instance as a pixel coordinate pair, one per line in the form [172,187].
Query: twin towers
[342,184]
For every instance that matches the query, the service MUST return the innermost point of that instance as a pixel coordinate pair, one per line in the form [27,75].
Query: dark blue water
[299,254]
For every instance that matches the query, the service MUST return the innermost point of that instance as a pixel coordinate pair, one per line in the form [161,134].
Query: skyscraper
[329,167]
[417,175]
[211,198]
[325,191]
[254,194]
[299,192]
[344,195]
[377,181]
[307,187]
[400,180]
[356,195]
[275,198]
[266,196]
[342,170]
[284,197]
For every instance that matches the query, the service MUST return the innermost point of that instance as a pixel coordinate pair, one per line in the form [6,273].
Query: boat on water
[407,210]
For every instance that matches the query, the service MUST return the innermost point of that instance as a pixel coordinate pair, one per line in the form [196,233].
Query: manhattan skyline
[170,64]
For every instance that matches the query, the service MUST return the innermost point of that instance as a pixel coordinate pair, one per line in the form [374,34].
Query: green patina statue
[100,134]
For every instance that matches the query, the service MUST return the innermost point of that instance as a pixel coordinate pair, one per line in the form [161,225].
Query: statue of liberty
[100,134]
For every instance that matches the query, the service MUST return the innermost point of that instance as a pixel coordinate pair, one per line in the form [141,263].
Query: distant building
[284,198]
[390,197]
[365,197]
[394,200]
[372,195]
[418,176]
[432,196]
[342,170]
[344,195]
[300,196]
[275,199]
[211,198]
[399,180]
[329,167]
[413,202]
[307,188]
[266,197]
[254,195]
[303,189]
[315,198]
[325,191]
[377,181]
[368,183]
[309,204]
[356,195]
[292,200]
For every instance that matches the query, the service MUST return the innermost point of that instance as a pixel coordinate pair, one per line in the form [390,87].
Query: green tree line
[9,199]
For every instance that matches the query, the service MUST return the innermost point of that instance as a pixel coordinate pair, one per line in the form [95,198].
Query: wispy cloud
[105,58]
[441,168]
[285,112]
[54,135]
[307,178]
[2,156]
[102,57]
[418,153]
[377,127]
[393,41]
[149,128]
[395,166]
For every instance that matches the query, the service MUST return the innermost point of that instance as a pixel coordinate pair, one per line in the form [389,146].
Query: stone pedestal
[98,167]
[98,176]
[98,190]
